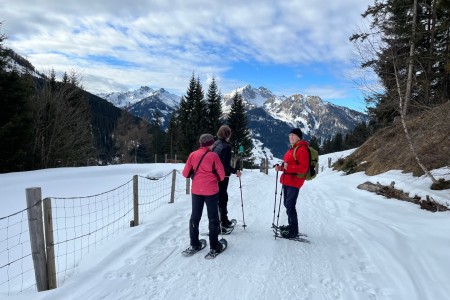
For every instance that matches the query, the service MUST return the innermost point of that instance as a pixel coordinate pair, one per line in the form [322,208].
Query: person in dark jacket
[208,172]
[291,167]
[223,148]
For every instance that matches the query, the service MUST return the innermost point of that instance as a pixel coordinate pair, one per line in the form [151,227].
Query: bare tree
[131,135]
[62,126]
[393,62]
[405,99]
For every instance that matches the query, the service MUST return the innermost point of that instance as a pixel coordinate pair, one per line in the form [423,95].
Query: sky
[290,47]
[363,246]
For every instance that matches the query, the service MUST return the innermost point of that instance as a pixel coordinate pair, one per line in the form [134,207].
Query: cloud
[130,43]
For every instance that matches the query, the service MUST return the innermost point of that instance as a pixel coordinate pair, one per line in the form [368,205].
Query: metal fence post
[136,200]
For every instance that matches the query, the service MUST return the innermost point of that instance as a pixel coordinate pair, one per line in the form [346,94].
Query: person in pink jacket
[207,172]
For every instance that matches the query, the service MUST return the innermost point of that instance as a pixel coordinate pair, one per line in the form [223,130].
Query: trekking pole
[242,203]
[279,207]
[275,201]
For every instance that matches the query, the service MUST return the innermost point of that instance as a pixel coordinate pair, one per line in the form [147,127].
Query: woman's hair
[224,132]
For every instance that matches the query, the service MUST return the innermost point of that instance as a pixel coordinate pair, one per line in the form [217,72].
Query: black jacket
[223,149]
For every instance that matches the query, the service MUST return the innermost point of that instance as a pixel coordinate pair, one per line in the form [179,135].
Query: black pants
[223,200]
[290,200]
[198,202]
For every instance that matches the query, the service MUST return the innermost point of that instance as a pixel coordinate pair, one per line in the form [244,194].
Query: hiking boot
[218,249]
[284,227]
[194,248]
[225,230]
[227,224]
[288,235]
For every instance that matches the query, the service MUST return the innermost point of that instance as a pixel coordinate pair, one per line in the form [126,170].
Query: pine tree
[15,123]
[240,134]
[391,28]
[187,138]
[200,112]
[191,117]
[314,143]
[2,50]
[214,108]
[173,131]
[15,118]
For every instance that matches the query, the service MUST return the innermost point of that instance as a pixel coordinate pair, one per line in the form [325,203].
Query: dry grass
[388,149]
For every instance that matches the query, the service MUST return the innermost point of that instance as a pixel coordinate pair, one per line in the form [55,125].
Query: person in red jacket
[291,183]
[208,171]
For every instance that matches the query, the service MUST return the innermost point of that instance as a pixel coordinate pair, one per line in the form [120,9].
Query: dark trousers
[198,202]
[223,200]
[290,200]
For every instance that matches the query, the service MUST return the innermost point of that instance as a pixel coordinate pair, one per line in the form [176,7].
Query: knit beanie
[297,132]
[206,140]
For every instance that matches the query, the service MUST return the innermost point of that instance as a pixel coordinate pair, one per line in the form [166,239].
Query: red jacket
[209,173]
[299,166]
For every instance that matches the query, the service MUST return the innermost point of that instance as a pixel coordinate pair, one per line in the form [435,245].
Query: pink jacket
[209,173]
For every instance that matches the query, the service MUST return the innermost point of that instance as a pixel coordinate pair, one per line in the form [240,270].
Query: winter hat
[206,140]
[297,132]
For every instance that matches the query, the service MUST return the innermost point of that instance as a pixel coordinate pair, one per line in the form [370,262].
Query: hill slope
[388,148]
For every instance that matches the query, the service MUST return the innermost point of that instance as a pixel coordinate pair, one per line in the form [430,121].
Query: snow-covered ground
[363,246]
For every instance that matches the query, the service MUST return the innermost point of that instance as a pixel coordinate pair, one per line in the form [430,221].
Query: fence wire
[16,263]
[80,224]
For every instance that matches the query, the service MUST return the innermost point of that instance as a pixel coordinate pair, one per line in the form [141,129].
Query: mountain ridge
[311,114]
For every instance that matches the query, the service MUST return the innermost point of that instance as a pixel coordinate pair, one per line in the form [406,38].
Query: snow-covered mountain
[129,98]
[252,98]
[270,117]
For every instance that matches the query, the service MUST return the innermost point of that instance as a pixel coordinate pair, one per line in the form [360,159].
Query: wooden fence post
[34,205]
[136,200]
[266,166]
[49,244]
[172,192]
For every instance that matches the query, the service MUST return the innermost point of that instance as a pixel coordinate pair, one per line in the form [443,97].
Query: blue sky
[289,47]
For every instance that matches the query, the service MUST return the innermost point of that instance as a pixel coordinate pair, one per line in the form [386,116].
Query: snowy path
[363,247]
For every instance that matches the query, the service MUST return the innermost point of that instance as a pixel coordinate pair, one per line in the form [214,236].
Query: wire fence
[16,264]
[79,225]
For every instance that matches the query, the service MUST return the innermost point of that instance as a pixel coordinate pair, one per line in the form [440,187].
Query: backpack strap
[200,161]
[302,175]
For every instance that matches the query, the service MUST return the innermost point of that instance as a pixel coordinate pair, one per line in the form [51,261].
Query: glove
[278,167]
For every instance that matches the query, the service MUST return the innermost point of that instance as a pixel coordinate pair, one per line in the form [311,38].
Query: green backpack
[313,163]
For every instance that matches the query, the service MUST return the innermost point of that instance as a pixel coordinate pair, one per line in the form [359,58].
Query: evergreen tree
[200,112]
[186,137]
[191,117]
[240,134]
[314,143]
[391,23]
[338,142]
[173,131]
[15,123]
[15,118]
[2,51]
[158,136]
[214,108]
